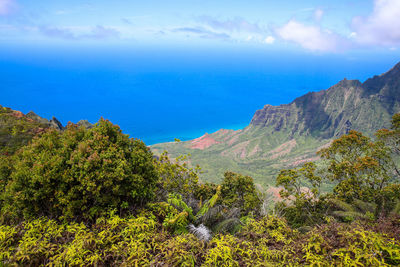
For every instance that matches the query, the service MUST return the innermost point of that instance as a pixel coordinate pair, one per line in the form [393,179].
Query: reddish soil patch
[325,146]
[203,142]
[283,149]
[38,130]
[274,191]
[238,151]
[233,140]
[255,150]
[222,132]
[17,114]
[302,161]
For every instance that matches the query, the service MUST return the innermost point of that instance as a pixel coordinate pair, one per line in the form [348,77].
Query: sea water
[158,94]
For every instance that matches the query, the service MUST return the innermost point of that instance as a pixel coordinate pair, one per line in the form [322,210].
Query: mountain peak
[334,111]
[348,83]
[394,70]
[387,85]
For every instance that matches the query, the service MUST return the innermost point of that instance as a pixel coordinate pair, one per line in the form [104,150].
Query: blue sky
[307,25]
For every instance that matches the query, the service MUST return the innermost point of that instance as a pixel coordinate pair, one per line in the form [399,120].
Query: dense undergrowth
[143,241]
[94,197]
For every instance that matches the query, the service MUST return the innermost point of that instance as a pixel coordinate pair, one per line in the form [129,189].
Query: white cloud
[232,29]
[382,27]
[269,40]
[98,32]
[318,14]
[236,24]
[202,33]
[310,37]
[6,6]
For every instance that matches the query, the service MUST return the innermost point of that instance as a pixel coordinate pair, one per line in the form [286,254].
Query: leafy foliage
[79,174]
[349,212]
[342,245]
[359,165]
[303,205]
[239,191]
[176,176]
[76,198]
[142,241]
[366,180]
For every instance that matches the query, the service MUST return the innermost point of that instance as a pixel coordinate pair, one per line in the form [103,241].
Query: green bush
[80,174]
[176,177]
[239,191]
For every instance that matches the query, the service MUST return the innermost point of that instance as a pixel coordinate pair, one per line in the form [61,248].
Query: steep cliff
[288,135]
[347,105]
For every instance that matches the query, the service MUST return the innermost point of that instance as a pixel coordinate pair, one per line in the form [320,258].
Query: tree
[176,177]
[391,138]
[366,170]
[239,191]
[302,205]
[361,167]
[79,174]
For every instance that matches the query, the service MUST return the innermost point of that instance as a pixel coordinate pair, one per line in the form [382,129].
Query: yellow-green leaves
[142,241]
[176,177]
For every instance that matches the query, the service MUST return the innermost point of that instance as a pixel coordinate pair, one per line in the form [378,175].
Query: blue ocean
[160,94]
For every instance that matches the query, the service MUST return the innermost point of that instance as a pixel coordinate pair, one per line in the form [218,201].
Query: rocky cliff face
[347,105]
[288,135]
[54,122]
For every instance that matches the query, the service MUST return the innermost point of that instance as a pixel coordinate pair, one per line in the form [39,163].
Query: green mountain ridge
[17,129]
[288,135]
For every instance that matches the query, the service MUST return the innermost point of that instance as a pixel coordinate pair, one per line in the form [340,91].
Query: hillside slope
[17,129]
[288,135]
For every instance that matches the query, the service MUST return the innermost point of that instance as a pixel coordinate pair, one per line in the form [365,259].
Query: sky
[309,25]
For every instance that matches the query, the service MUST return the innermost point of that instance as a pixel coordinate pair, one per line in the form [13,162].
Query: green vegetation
[288,135]
[95,197]
[142,241]
[79,174]
[16,130]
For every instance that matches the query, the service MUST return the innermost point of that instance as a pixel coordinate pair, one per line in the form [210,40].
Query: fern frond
[215,197]
[233,212]
[396,209]
[211,214]
[350,214]
[342,205]
[209,204]
[228,226]
[176,201]
[364,206]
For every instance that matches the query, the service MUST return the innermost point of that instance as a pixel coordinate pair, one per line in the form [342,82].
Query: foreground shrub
[239,191]
[79,174]
[143,241]
[176,177]
[350,245]
[181,250]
